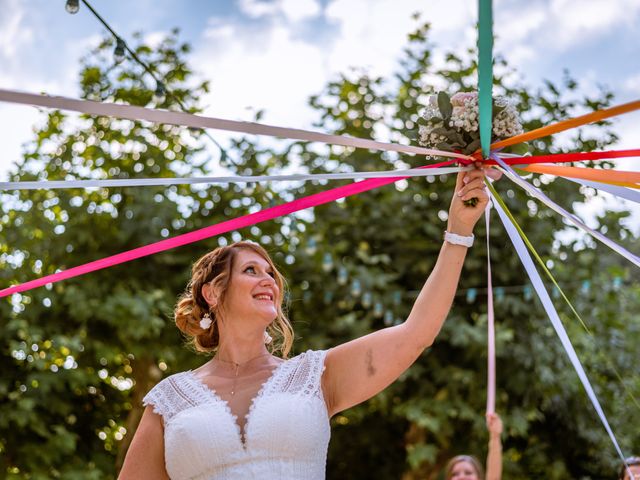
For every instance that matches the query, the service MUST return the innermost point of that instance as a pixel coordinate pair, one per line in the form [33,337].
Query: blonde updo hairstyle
[477,466]
[215,267]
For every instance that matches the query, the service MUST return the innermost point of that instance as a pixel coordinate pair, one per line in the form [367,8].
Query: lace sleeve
[306,378]
[168,397]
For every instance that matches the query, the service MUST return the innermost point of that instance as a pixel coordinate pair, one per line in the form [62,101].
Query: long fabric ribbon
[213,230]
[491,331]
[565,157]
[543,295]
[614,177]
[542,265]
[539,259]
[621,192]
[514,177]
[485,73]
[299,177]
[563,125]
[131,112]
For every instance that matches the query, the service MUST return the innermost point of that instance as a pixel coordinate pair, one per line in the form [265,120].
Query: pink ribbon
[213,230]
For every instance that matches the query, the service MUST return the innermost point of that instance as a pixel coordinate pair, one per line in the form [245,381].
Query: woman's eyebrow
[254,263]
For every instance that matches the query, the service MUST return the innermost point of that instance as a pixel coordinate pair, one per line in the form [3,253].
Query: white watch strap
[456,239]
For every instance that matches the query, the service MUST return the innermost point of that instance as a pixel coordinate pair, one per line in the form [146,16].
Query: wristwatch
[456,239]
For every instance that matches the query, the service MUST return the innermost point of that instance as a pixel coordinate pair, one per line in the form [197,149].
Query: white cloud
[561,24]
[260,70]
[297,10]
[257,8]
[373,33]
[154,39]
[16,124]
[293,10]
[14,33]
[632,84]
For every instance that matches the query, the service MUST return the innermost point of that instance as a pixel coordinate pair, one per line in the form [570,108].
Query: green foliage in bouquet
[451,123]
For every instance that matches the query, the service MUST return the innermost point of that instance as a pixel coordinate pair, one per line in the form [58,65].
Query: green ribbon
[485,73]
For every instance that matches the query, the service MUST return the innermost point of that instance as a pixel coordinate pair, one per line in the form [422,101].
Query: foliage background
[78,356]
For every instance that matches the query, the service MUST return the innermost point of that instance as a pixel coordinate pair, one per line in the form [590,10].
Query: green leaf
[444,105]
[472,147]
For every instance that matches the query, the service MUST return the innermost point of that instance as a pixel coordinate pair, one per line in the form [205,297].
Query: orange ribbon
[612,177]
[596,116]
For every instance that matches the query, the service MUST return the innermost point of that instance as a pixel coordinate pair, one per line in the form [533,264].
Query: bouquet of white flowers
[451,124]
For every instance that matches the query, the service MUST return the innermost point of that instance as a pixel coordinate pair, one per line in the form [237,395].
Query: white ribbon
[514,177]
[131,112]
[302,177]
[622,192]
[540,289]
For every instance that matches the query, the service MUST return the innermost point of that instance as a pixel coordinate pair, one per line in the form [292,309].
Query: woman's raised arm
[361,368]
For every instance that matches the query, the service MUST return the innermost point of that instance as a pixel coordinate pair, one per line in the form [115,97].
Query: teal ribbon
[485,73]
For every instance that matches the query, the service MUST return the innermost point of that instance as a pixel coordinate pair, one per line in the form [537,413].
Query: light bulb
[471,295]
[118,53]
[327,262]
[312,246]
[356,288]
[160,94]
[397,297]
[367,299]
[388,318]
[72,6]
[343,276]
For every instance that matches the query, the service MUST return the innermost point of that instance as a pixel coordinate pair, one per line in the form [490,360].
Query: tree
[73,351]
[388,240]
[76,357]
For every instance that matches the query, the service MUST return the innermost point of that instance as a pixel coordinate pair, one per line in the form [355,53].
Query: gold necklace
[237,368]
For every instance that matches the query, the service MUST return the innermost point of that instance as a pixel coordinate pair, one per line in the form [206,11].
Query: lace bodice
[286,432]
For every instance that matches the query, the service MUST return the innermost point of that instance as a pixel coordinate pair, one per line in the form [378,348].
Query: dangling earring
[205,321]
[267,338]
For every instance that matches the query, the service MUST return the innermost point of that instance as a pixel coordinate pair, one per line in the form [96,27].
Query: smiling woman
[252,412]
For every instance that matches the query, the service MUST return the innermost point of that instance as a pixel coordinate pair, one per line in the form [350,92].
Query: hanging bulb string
[161,88]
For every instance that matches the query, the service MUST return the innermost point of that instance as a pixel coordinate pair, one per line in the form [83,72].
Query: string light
[388,318]
[327,262]
[367,299]
[356,288]
[471,295]
[160,94]
[343,276]
[118,53]
[397,297]
[312,246]
[72,6]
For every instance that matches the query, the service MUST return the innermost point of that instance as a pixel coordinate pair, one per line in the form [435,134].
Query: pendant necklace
[237,369]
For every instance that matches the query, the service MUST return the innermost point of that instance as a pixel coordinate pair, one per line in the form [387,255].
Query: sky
[272,55]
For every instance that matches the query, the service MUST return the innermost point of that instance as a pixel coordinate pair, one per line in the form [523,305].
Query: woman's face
[635,469]
[464,471]
[253,292]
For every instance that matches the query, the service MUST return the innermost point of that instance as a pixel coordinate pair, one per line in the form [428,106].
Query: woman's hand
[462,218]
[494,425]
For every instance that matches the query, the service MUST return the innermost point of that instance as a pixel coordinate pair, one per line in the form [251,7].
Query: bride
[247,413]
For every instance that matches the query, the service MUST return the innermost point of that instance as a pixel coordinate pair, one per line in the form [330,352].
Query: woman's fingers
[475,193]
[473,184]
[493,173]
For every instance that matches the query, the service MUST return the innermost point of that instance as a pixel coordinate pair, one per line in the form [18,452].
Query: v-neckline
[240,432]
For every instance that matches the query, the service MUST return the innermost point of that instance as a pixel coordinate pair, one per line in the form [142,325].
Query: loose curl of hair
[464,458]
[215,268]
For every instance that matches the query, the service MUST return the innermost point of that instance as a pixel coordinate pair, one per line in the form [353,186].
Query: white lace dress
[286,432]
